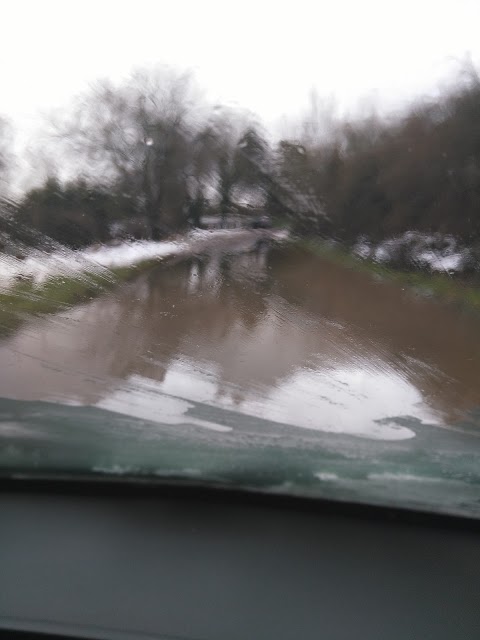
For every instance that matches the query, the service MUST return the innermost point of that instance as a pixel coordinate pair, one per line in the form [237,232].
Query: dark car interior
[95,559]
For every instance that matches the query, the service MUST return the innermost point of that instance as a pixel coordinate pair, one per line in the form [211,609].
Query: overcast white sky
[264,55]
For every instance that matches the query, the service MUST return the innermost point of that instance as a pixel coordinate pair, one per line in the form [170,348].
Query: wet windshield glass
[279,293]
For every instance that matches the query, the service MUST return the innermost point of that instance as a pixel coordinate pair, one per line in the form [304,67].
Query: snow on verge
[39,265]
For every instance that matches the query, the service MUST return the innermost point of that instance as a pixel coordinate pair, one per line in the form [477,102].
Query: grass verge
[28,299]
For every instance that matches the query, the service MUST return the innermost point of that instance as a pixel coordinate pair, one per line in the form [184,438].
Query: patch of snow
[401,477]
[362,249]
[114,469]
[381,253]
[38,266]
[436,251]
[438,262]
[131,253]
[325,476]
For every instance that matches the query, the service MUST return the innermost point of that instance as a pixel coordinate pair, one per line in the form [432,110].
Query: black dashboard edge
[112,487]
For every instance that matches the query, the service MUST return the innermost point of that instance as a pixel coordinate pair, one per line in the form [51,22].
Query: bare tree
[136,138]
[241,155]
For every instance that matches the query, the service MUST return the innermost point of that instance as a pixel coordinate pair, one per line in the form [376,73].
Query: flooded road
[271,369]
[276,333]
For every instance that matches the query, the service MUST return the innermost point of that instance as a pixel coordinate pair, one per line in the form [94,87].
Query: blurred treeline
[150,157]
[418,171]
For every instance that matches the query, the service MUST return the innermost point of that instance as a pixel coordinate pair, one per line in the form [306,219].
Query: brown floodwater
[276,333]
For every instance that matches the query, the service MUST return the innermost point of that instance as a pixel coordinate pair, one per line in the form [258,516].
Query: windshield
[225,262]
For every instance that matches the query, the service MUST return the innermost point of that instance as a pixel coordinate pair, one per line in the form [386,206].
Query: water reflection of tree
[175,317]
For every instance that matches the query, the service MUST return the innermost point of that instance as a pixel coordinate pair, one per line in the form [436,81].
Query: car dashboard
[110,560]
